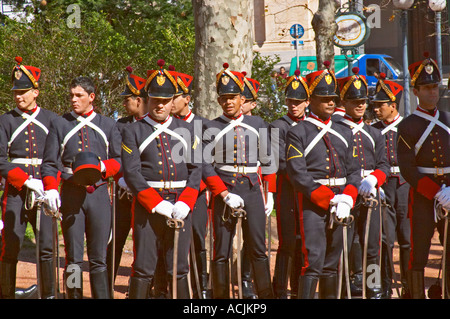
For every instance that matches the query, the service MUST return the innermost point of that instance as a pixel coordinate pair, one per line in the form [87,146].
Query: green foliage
[111,36]
[270,96]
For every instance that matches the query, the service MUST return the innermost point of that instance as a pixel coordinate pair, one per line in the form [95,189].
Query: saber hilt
[238,212]
[370,202]
[175,223]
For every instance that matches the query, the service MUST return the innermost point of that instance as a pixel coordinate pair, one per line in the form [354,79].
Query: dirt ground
[26,270]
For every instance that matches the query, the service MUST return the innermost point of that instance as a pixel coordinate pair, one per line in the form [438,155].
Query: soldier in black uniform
[22,138]
[321,168]
[86,209]
[251,89]
[395,190]
[200,218]
[424,161]
[135,103]
[234,145]
[370,150]
[289,249]
[164,178]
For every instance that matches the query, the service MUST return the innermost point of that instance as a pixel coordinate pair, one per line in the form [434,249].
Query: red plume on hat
[129,69]
[355,70]
[327,64]
[382,76]
[18,59]
[171,68]
[161,63]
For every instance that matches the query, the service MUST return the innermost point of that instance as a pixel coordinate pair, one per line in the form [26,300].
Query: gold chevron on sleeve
[400,138]
[296,152]
[126,148]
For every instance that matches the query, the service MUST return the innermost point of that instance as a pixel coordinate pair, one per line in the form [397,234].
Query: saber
[269,223]
[444,214]
[113,235]
[370,203]
[239,213]
[384,206]
[38,230]
[176,224]
[194,265]
[344,222]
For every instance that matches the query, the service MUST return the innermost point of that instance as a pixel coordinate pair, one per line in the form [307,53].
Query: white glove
[367,187]
[233,200]
[382,194]
[269,204]
[180,210]
[52,199]
[35,185]
[164,208]
[344,206]
[1,224]
[122,184]
[443,197]
[102,167]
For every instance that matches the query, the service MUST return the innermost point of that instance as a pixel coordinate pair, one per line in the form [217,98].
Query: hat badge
[295,85]
[160,79]
[18,74]
[429,69]
[225,80]
[357,84]
[328,79]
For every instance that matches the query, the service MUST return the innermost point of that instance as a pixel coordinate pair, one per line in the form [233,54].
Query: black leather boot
[182,288]
[404,261]
[386,274]
[328,287]
[307,287]
[139,288]
[100,286]
[280,276]
[7,280]
[220,280]
[416,281]
[160,280]
[47,280]
[373,287]
[27,293]
[203,277]
[261,271]
[73,292]
[247,280]
[356,269]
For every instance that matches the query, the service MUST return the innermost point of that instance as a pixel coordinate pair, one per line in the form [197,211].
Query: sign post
[297,31]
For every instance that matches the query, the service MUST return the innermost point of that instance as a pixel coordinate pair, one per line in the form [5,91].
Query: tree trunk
[325,27]
[223,33]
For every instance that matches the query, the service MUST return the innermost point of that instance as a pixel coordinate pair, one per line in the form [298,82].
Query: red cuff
[50,182]
[271,179]
[202,185]
[381,177]
[322,196]
[215,185]
[17,177]
[112,167]
[351,191]
[149,198]
[427,187]
[189,197]
[118,176]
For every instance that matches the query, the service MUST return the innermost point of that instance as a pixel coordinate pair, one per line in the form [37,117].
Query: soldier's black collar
[314,116]
[233,118]
[296,119]
[430,112]
[352,119]
[395,119]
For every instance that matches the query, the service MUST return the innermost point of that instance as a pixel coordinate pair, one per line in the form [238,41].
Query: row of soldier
[337,181]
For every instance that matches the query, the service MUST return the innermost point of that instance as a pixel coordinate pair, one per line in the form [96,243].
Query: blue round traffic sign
[297,31]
